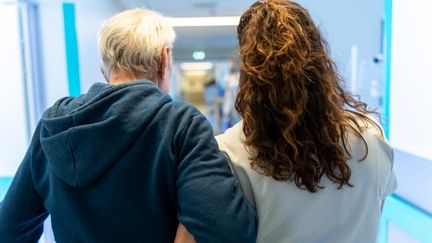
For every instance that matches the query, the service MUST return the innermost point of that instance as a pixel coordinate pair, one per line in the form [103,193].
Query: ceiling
[189,8]
[217,42]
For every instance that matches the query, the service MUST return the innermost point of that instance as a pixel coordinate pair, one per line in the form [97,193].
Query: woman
[307,154]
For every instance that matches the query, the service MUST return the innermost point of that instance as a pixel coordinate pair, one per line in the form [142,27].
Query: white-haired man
[124,163]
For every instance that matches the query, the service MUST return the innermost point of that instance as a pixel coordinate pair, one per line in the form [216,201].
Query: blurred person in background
[125,163]
[307,154]
[229,114]
[213,101]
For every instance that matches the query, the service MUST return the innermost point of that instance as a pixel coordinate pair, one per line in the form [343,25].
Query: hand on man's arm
[183,236]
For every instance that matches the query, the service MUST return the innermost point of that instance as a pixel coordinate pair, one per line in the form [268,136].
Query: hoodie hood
[83,137]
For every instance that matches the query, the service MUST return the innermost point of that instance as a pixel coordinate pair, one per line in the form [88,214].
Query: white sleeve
[391,182]
[239,172]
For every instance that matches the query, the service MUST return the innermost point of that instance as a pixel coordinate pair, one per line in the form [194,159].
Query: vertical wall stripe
[387,39]
[71,49]
[25,77]
[39,88]
[4,185]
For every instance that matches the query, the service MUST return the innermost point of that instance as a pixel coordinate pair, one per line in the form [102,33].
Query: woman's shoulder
[232,138]
[365,125]
[231,142]
[377,151]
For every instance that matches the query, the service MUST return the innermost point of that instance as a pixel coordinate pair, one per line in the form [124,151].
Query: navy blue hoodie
[125,163]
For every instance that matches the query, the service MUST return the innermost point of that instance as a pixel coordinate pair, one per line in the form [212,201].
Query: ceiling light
[195,73]
[204,21]
[198,55]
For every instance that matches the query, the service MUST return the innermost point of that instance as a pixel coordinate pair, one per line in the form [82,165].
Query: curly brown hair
[296,113]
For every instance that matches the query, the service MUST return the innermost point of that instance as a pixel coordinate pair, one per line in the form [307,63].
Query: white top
[287,214]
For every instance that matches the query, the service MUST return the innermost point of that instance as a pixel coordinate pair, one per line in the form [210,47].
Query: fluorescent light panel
[204,21]
[196,66]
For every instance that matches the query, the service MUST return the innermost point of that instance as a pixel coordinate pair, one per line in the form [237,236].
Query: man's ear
[164,62]
[165,70]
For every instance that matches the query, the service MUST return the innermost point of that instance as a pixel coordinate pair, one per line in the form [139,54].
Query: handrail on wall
[415,222]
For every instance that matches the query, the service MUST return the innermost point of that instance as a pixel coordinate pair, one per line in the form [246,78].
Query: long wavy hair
[296,113]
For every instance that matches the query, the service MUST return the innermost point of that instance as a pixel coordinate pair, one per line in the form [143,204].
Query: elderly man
[125,163]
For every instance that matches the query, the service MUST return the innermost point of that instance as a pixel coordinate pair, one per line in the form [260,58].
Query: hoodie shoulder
[63,106]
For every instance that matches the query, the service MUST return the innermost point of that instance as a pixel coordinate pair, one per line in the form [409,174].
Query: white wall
[89,17]
[411,79]
[53,50]
[353,30]
[13,137]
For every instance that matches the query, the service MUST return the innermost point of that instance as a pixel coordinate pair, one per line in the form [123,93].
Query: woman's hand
[183,236]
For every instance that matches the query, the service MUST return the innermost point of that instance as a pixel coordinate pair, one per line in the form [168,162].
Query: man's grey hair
[134,40]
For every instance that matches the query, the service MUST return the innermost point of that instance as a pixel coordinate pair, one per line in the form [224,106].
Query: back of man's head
[133,41]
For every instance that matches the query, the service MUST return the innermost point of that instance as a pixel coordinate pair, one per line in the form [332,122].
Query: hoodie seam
[184,129]
[72,152]
[31,174]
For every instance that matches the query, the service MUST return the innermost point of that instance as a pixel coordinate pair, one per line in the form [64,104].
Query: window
[14,125]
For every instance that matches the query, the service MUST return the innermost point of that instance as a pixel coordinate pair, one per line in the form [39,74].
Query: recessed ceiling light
[198,55]
[195,72]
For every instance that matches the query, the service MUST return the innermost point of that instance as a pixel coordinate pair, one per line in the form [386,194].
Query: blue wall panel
[72,58]
[387,44]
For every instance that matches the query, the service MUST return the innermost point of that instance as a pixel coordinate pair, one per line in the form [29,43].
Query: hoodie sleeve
[211,206]
[22,212]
